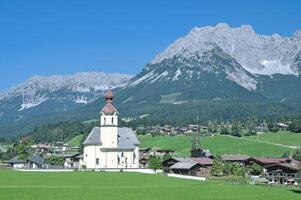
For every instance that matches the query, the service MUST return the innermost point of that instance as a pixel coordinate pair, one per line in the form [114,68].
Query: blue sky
[64,37]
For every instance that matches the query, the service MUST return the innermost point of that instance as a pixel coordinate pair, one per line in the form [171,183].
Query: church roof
[126,138]
[93,137]
[109,108]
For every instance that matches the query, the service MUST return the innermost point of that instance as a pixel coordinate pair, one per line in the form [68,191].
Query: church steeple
[109,112]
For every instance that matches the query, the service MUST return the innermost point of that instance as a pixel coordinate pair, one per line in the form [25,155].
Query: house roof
[70,155]
[94,137]
[183,165]
[272,160]
[235,158]
[203,161]
[15,160]
[36,159]
[126,138]
[283,165]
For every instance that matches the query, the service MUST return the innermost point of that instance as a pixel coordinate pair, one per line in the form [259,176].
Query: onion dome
[109,108]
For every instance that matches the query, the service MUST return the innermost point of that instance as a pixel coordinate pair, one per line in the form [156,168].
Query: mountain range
[215,72]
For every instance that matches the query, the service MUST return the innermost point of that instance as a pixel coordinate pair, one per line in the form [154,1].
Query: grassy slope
[283,137]
[16,185]
[76,140]
[218,144]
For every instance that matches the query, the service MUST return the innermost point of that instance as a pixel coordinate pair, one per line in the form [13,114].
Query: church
[110,146]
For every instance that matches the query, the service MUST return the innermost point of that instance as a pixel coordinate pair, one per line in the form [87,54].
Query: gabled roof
[235,158]
[183,165]
[94,137]
[36,159]
[203,161]
[126,138]
[15,160]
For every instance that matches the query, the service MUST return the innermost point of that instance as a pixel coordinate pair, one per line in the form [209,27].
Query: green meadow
[76,140]
[282,137]
[218,144]
[16,185]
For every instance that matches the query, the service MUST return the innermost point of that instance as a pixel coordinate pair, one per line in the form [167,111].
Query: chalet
[161,152]
[17,163]
[278,170]
[282,173]
[269,161]
[73,160]
[188,166]
[241,159]
[282,126]
[35,162]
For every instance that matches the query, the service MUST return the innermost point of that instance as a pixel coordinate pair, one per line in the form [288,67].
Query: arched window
[104,121]
[112,120]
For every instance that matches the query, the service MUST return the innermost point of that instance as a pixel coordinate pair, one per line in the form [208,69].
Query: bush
[55,160]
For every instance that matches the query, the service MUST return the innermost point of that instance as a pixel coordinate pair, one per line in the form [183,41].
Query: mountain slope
[45,96]
[215,72]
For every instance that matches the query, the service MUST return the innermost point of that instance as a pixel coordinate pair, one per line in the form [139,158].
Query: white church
[110,146]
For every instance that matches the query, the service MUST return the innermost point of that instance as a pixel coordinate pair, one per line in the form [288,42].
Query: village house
[17,163]
[110,146]
[73,160]
[278,170]
[241,159]
[188,166]
[35,162]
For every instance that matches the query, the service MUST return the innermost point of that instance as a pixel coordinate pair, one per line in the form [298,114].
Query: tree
[23,149]
[238,170]
[286,154]
[155,163]
[55,160]
[297,155]
[166,156]
[255,169]
[217,167]
[299,180]
[226,129]
[236,129]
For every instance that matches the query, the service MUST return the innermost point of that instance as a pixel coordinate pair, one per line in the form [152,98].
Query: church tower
[109,123]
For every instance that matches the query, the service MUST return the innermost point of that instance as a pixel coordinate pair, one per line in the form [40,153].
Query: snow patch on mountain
[29,103]
[242,43]
[147,76]
[164,74]
[178,73]
[80,88]
[81,100]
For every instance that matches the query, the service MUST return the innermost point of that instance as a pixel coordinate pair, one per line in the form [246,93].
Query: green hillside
[218,144]
[76,141]
[16,185]
[282,137]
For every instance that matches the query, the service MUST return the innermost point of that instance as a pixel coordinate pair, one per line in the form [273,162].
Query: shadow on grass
[298,191]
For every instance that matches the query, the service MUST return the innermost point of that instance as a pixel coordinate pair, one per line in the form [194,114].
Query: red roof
[109,108]
[203,160]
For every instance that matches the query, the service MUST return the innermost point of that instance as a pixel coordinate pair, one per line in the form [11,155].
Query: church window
[97,161]
[134,158]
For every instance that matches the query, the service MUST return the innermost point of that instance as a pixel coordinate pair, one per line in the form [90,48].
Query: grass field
[283,137]
[219,144]
[15,185]
[76,140]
